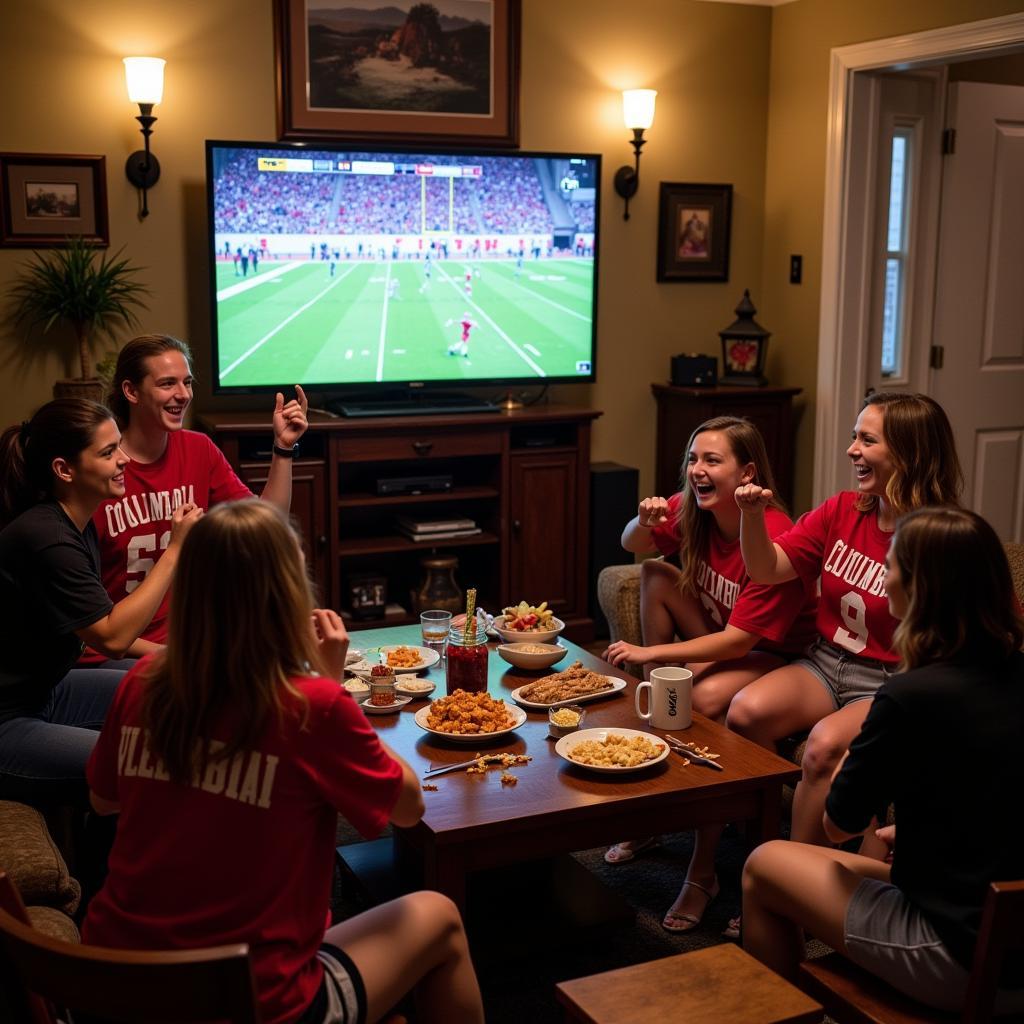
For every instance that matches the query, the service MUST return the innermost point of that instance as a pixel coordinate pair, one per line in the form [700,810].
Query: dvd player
[435,483]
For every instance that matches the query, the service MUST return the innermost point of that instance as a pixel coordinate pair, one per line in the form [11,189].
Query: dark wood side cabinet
[522,476]
[681,410]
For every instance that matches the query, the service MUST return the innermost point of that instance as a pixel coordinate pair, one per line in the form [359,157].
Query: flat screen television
[377,270]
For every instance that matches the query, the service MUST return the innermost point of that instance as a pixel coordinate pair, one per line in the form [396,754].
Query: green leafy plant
[90,290]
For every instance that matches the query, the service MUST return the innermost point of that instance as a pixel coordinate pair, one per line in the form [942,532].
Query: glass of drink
[434,626]
[467,661]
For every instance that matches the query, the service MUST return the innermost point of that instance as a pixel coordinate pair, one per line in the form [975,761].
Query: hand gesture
[753,498]
[652,512]
[332,641]
[620,652]
[887,834]
[290,420]
[183,518]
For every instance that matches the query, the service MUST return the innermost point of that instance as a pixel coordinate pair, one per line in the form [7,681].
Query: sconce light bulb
[144,77]
[638,107]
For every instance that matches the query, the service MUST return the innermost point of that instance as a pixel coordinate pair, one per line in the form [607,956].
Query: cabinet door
[309,507]
[543,548]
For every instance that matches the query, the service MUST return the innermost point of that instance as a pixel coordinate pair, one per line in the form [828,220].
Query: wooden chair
[851,995]
[115,984]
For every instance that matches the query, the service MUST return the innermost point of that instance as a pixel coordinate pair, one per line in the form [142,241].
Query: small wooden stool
[719,985]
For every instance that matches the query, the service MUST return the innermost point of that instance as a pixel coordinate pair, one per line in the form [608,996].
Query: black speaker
[694,370]
[613,502]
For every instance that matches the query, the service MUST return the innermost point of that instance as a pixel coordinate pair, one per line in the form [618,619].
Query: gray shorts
[341,998]
[888,936]
[846,676]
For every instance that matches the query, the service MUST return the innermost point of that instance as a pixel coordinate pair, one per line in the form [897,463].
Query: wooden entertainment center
[523,476]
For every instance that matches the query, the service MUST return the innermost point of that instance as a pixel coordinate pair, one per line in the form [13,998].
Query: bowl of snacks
[525,622]
[531,655]
[564,720]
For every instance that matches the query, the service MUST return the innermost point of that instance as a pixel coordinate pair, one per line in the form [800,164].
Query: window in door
[894,301]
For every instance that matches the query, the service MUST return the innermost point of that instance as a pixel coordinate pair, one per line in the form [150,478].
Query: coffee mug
[669,698]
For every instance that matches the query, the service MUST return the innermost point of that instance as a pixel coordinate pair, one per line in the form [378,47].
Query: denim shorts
[888,936]
[846,676]
[341,998]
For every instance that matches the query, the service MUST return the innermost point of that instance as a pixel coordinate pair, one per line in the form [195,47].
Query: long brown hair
[239,629]
[61,429]
[925,467]
[960,600]
[131,366]
[693,523]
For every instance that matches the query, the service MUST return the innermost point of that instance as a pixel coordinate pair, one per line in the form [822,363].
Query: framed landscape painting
[693,232]
[398,70]
[46,197]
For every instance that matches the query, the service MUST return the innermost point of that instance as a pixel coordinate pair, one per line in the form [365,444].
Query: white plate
[566,743]
[518,718]
[618,685]
[428,659]
[404,688]
[374,709]
[356,687]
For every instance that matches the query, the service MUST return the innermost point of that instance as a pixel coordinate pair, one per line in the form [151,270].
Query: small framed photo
[46,197]
[693,232]
[400,71]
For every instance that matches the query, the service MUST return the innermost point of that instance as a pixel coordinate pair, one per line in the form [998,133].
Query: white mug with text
[669,701]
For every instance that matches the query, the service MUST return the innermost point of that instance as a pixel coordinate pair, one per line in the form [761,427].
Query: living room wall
[62,85]
[803,34]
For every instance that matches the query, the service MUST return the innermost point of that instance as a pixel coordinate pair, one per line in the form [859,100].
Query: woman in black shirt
[55,470]
[941,742]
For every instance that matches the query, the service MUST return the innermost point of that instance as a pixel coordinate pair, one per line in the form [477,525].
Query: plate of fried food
[573,685]
[469,717]
[612,750]
[403,658]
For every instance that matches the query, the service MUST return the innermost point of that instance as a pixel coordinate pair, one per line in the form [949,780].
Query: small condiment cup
[571,716]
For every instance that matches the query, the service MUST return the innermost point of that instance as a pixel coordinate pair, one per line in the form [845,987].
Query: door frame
[842,368]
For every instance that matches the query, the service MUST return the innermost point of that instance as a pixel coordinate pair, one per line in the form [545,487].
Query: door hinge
[937,357]
[948,141]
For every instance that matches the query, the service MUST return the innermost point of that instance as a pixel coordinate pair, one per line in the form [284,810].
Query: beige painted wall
[803,34]
[62,86]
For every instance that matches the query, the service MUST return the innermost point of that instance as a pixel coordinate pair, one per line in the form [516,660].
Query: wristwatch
[286,453]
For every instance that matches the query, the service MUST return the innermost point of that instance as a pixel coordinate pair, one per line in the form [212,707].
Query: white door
[979,302]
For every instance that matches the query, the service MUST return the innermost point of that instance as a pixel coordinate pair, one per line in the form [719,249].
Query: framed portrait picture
[46,197]
[693,232]
[402,70]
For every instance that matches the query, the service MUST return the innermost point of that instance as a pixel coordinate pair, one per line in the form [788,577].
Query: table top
[549,787]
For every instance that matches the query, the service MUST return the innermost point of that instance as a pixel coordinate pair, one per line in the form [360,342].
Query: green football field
[294,322]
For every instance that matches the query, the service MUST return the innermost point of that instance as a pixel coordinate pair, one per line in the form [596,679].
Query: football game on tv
[364,268]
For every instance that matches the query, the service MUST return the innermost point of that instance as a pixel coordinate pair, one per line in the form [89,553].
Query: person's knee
[825,746]
[745,714]
[436,915]
[709,700]
[762,863]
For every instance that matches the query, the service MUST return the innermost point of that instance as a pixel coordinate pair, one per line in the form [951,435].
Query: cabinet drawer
[420,446]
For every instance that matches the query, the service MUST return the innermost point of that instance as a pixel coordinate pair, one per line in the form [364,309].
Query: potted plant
[91,291]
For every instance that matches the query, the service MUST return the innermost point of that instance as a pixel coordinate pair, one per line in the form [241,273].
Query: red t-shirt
[782,615]
[847,550]
[246,854]
[134,530]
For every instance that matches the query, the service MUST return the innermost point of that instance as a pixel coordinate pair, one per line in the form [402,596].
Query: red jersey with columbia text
[782,615]
[847,549]
[245,852]
[134,530]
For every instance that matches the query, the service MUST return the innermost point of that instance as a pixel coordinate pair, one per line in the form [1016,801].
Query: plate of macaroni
[469,717]
[612,750]
[403,658]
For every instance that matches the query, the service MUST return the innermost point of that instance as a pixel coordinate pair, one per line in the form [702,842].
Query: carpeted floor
[518,973]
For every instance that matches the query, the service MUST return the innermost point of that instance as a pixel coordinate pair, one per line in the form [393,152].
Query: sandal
[734,929]
[689,921]
[622,853]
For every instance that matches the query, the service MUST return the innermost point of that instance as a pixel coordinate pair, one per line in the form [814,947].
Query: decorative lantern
[744,344]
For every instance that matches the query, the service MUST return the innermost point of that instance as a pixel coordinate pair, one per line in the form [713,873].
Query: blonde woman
[229,756]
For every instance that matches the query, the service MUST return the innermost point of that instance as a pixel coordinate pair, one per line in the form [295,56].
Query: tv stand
[522,476]
[410,403]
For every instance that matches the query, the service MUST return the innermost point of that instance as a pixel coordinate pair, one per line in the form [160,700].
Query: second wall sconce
[638,115]
[145,79]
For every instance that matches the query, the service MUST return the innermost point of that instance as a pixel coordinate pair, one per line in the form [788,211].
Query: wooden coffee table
[473,822]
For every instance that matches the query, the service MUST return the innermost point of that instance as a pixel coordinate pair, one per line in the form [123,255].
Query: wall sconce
[144,77]
[638,114]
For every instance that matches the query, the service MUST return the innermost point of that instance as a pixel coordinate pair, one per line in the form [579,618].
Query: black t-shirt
[943,743]
[49,587]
